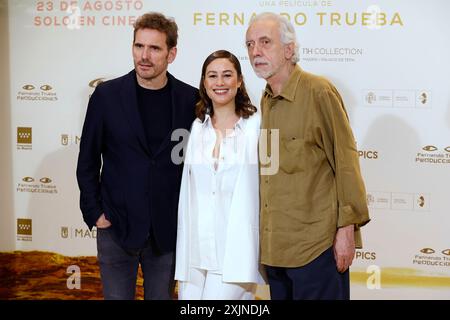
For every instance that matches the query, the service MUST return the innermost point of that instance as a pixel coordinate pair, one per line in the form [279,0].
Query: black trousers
[318,280]
[119,268]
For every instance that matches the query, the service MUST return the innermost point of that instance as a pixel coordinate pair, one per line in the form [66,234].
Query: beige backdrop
[389,61]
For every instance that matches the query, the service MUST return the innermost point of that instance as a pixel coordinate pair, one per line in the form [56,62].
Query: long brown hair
[244,107]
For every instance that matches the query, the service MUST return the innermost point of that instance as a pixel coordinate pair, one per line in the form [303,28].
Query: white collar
[207,122]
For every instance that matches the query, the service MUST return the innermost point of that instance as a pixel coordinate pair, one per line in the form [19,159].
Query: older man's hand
[344,247]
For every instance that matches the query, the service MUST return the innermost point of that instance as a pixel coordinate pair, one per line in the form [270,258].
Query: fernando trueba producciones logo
[43,93]
[24,138]
[431,154]
[43,185]
[433,258]
[24,229]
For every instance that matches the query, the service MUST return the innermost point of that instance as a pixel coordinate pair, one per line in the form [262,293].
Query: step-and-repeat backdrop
[389,59]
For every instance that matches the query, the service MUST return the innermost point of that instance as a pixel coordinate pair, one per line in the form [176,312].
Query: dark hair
[157,21]
[244,107]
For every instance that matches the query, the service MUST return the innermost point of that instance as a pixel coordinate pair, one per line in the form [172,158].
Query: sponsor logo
[46,87]
[398,201]
[336,54]
[77,233]
[70,139]
[28,87]
[422,97]
[384,98]
[42,93]
[24,229]
[44,185]
[427,250]
[371,98]
[24,138]
[94,83]
[433,155]
[429,148]
[432,258]
[64,232]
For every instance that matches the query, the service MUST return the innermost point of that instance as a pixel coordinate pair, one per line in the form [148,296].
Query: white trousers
[205,285]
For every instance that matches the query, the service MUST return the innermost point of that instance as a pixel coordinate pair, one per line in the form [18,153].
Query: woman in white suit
[217,254]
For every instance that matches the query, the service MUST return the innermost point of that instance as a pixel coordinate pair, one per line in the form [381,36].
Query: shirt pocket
[292,149]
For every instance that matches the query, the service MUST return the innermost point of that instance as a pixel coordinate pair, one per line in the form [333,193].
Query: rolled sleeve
[340,148]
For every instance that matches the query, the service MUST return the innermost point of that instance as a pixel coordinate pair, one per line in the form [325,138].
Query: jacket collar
[131,109]
[207,123]
[290,87]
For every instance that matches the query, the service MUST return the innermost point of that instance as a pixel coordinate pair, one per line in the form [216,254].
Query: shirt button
[214,193]
[265,205]
[267,180]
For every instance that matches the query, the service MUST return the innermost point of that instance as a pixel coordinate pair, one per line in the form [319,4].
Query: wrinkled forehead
[266,27]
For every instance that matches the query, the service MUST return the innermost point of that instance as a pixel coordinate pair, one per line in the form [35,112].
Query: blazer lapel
[131,109]
[177,116]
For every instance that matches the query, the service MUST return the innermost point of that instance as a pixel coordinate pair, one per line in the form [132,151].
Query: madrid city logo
[24,138]
[70,139]
[24,229]
[77,233]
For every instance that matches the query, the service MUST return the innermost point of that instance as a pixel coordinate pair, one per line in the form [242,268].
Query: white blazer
[241,258]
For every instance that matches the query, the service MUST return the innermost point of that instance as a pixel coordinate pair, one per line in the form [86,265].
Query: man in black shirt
[153,106]
[129,184]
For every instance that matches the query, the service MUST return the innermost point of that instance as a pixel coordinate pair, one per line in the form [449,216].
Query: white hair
[287,31]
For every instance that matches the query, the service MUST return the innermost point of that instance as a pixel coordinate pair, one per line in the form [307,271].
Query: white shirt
[218,210]
[212,193]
